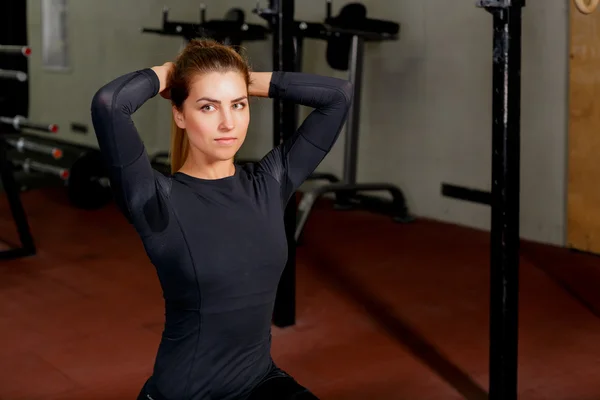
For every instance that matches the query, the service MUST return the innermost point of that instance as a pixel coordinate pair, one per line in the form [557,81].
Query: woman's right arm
[133,180]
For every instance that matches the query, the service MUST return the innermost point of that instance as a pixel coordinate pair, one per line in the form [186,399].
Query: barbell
[19,122]
[86,178]
[15,49]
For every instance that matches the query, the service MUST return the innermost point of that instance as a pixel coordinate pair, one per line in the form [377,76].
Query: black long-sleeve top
[218,246]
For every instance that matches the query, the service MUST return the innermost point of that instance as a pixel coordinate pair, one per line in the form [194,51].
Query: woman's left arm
[292,162]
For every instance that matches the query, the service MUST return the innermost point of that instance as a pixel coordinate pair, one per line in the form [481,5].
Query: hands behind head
[163,72]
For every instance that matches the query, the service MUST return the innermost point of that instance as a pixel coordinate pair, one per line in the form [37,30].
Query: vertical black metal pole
[355,67]
[505,234]
[14,100]
[14,95]
[11,190]
[284,124]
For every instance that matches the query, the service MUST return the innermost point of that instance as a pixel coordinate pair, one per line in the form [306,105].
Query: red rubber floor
[384,311]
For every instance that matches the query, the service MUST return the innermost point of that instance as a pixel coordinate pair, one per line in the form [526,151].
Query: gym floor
[385,311]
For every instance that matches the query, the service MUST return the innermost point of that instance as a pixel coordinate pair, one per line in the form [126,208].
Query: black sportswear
[218,246]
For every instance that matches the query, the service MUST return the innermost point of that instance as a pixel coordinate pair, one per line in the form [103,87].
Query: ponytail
[179,146]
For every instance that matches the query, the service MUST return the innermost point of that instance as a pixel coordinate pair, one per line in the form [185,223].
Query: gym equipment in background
[280,16]
[504,245]
[23,50]
[22,144]
[161,162]
[14,100]
[13,75]
[231,30]
[504,197]
[19,121]
[78,168]
[346,35]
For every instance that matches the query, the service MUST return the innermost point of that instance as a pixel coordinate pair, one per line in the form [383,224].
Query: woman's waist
[249,323]
[225,375]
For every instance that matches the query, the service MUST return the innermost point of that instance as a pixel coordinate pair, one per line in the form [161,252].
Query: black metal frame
[27,245]
[505,236]
[288,35]
[14,101]
[215,29]
[467,194]
[504,197]
[298,60]
[347,191]
[280,15]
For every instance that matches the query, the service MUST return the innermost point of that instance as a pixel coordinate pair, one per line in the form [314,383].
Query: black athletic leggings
[277,385]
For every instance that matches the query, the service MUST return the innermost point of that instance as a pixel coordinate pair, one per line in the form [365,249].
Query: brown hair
[198,57]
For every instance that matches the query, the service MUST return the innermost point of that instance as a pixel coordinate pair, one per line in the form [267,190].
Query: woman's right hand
[163,71]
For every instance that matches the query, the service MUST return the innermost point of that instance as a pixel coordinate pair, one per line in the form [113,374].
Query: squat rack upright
[504,197]
[505,232]
[280,15]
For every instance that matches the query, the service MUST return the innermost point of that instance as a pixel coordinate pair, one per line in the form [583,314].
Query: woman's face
[216,114]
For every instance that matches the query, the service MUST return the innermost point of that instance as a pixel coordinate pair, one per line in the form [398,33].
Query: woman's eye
[208,107]
[239,106]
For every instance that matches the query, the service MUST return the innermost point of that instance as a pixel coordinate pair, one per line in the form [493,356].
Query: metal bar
[13,75]
[467,194]
[15,49]
[353,124]
[298,63]
[16,207]
[20,122]
[21,144]
[318,30]
[505,235]
[31,165]
[284,313]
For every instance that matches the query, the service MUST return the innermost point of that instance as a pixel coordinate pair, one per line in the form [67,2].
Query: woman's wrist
[259,84]
[162,71]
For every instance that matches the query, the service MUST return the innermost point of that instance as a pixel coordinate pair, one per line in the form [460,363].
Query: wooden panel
[583,202]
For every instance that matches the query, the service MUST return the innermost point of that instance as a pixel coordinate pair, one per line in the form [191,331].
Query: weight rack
[26,247]
[14,109]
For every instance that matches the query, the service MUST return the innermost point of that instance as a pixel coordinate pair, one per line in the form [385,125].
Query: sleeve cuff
[277,84]
[151,75]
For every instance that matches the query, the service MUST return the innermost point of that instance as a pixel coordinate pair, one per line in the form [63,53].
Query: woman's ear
[178,117]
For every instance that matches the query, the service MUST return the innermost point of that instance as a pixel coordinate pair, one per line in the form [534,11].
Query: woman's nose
[227,122]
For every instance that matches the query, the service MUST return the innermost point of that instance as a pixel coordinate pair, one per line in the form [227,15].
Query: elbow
[101,102]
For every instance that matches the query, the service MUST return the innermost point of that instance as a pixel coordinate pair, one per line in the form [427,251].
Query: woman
[214,230]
